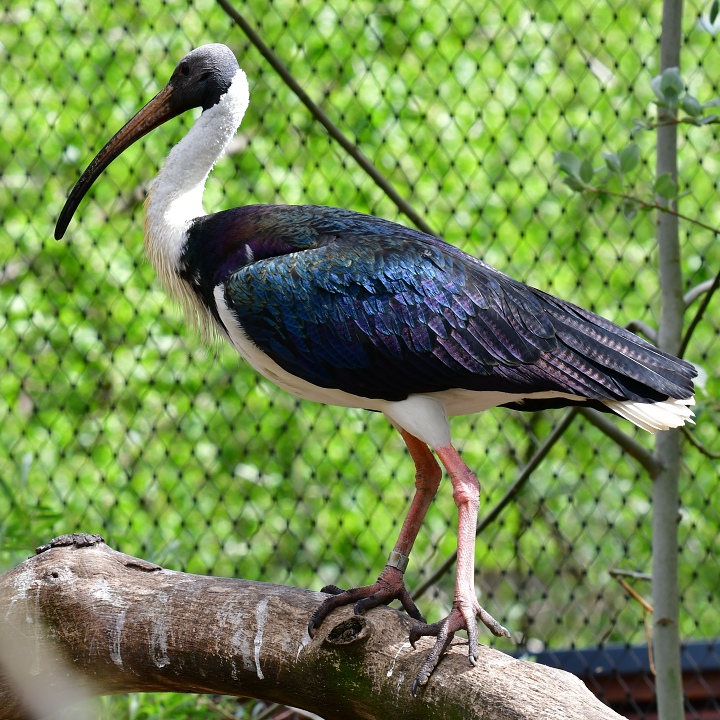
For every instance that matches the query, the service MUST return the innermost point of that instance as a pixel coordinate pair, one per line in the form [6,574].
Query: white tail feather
[663,415]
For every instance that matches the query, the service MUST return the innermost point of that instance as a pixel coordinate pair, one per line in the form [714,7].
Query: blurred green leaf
[629,209]
[708,119]
[671,85]
[629,157]
[567,161]
[612,160]
[574,183]
[586,171]
[641,124]
[665,186]
[655,84]
[714,11]
[691,105]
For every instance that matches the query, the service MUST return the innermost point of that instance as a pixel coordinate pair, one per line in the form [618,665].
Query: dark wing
[386,315]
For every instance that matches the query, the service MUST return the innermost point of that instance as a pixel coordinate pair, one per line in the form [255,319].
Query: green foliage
[165,706]
[670,95]
[669,91]
[665,186]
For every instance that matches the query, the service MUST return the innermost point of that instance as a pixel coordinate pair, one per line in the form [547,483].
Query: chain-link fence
[113,421]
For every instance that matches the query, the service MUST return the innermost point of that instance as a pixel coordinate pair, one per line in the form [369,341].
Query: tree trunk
[82,620]
[666,603]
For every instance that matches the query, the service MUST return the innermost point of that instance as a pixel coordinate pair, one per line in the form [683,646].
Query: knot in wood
[353,630]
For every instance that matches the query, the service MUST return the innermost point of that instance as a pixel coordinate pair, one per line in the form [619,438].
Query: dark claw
[332,590]
[410,607]
[444,630]
[368,603]
[389,586]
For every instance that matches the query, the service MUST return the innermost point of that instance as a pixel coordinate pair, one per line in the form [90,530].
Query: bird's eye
[184,68]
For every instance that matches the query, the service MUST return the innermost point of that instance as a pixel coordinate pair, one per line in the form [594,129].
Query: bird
[348,309]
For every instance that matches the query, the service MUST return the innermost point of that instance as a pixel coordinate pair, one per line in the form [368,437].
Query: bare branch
[699,445]
[631,446]
[665,490]
[684,120]
[321,116]
[634,594]
[646,205]
[699,314]
[642,328]
[616,573]
[120,624]
[694,293]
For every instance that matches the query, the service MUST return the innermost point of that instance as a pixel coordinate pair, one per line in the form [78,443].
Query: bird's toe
[461,617]
[389,586]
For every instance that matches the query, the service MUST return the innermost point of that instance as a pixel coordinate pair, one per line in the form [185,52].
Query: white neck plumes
[175,196]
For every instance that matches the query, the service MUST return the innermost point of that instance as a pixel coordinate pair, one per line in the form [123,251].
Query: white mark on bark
[23,582]
[158,642]
[100,589]
[37,644]
[261,615]
[115,638]
[303,644]
[233,620]
[397,654]
[240,642]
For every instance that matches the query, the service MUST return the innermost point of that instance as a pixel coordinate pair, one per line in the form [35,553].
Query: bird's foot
[389,586]
[461,617]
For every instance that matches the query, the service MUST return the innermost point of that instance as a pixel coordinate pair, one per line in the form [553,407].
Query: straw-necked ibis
[351,310]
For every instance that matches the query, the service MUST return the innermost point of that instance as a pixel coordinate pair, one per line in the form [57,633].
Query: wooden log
[81,620]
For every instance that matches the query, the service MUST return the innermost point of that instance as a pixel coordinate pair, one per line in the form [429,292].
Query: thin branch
[268,712]
[616,573]
[699,314]
[694,293]
[647,621]
[640,327]
[709,291]
[511,493]
[646,606]
[697,444]
[665,492]
[645,205]
[319,114]
[631,446]
[636,595]
[684,120]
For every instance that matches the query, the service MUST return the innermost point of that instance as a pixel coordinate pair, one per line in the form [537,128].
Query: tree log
[81,620]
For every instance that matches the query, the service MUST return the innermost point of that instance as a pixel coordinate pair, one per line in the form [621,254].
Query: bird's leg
[466,493]
[390,584]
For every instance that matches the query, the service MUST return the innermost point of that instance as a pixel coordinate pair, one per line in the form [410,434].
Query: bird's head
[200,79]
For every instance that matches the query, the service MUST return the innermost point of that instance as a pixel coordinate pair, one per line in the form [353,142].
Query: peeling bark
[81,620]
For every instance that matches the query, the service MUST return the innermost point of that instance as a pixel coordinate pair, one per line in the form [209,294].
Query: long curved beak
[155,113]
